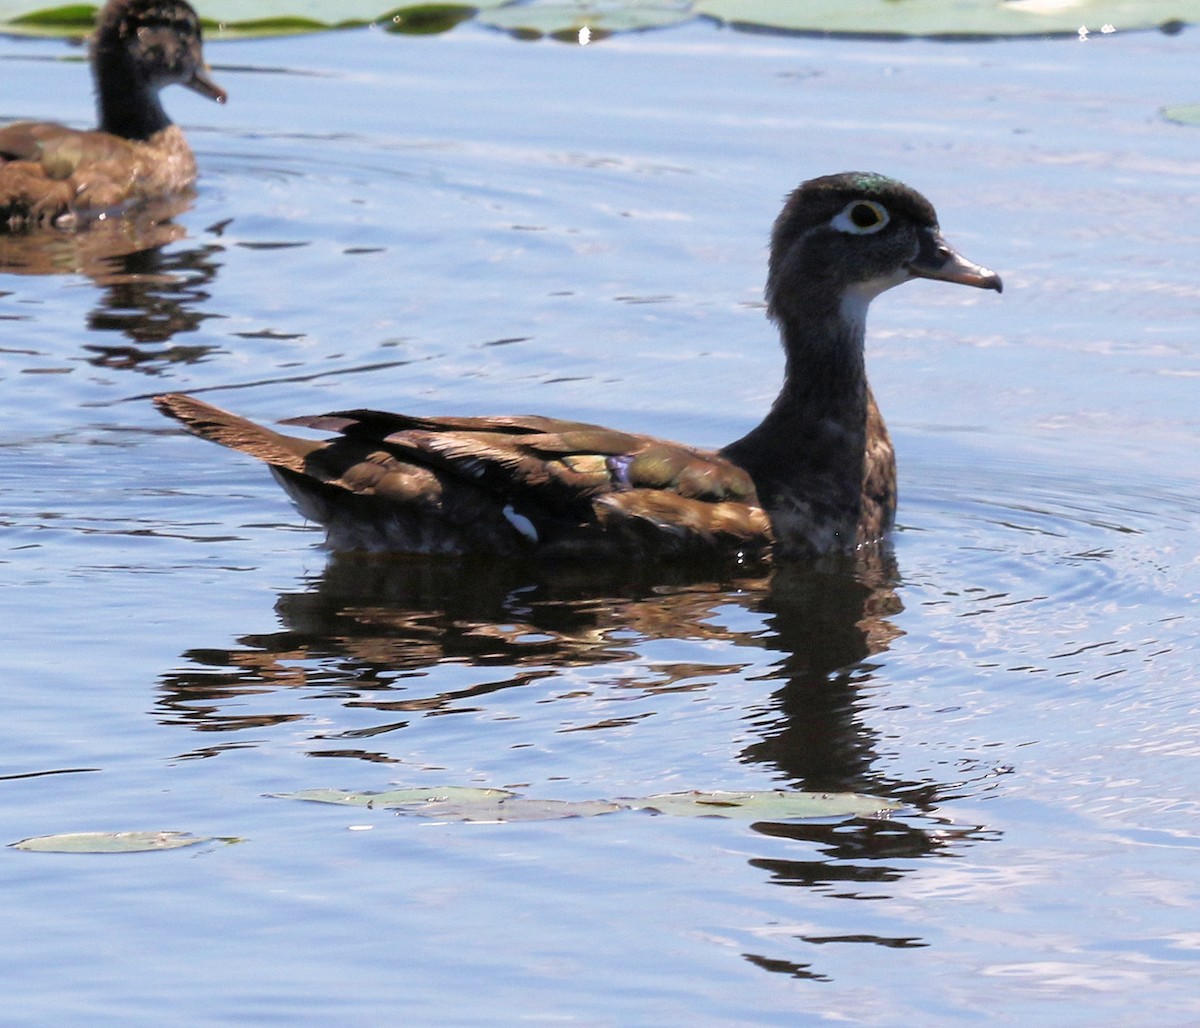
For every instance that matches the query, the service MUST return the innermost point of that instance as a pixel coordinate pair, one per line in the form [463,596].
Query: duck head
[140,47]
[841,240]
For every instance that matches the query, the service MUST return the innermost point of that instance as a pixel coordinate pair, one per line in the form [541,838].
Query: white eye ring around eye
[861,218]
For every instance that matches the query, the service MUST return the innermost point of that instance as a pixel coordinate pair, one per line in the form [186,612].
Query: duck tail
[219,426]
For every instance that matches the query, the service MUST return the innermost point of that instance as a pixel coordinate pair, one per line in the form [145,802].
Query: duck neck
[806,456]
[128,106]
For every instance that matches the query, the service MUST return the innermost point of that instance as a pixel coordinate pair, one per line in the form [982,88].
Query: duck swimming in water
[817,476]
[51,175]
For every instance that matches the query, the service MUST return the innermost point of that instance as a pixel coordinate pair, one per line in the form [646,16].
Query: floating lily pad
[467,804]
[242,18]
[109,842]
[518,808]
[460,804]
[1186,114]
[567,19]
[397,797]
[427,19]
[949,18]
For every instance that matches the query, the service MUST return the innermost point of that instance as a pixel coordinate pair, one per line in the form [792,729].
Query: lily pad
[585,20]
[518,808]
[453,803]
[109,842]
[950,18]
[567,18]
[224,19]
[426,19]
[397,797]
[1185,114]
[774,805]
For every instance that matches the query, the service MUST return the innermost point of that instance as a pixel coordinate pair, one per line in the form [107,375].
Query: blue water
[468,224]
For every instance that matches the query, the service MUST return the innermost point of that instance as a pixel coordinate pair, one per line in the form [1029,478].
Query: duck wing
[47,170]
[499,484]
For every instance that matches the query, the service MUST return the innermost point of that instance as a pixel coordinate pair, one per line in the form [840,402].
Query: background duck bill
[202,84]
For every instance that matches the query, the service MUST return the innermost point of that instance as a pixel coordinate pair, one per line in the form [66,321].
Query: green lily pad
[950,18]
[427,19]
[453,803]
[566,18]
[225,19]
[1185,114]
[109,842]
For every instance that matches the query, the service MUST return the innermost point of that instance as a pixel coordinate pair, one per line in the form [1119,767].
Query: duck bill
[205,86]
[938,260]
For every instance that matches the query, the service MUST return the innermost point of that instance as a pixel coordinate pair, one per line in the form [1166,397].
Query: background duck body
[54,175]
[817,476]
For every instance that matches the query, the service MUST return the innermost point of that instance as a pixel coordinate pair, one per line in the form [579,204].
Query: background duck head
[139,48]
[52,175]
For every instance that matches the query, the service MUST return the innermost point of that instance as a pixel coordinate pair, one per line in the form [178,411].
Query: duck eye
[861,217]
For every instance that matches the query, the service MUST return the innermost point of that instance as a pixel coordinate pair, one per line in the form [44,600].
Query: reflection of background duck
[54,175]
[149,293]
[96,252]
[150,297]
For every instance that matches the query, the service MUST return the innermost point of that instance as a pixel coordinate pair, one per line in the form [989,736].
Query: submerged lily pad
[467,804]
[109,842]
[774,805]
[1185,114]
[518,808]
[397,797]
[453,803]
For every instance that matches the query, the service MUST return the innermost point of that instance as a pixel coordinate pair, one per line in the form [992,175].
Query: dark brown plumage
[51,175]
[817,476]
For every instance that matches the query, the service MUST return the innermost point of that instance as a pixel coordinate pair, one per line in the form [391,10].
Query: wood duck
[817,476]
[54,175]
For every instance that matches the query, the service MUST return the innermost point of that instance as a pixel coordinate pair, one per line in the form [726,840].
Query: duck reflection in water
[377,631]
[151,297]
[152,289]
[408,640]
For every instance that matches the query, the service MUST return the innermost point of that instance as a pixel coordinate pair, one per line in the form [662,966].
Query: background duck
[817,476]
[54,175]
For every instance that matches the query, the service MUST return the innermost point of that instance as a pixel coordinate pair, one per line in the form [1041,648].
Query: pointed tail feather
[219,426]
